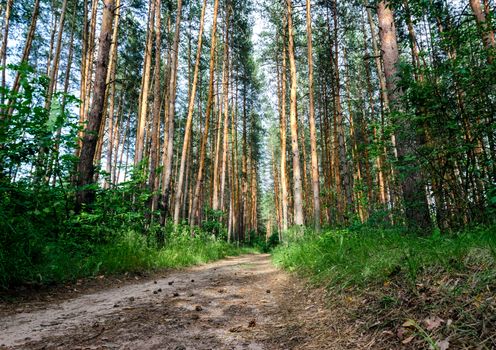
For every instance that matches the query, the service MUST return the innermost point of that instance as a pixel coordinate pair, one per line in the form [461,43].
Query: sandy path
[230,304]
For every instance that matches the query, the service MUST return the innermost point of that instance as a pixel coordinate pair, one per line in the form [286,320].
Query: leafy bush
[213,223]
[261,244]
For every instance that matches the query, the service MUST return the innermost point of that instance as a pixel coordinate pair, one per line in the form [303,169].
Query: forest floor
[243,302]
[237,303]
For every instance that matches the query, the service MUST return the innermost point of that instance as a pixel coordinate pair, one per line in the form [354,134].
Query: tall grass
[63,260]
[133,252]
[345,258]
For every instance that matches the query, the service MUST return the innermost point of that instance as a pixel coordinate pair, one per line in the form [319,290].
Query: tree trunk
[156,109]
[414,197]
[357,173]
[254,197]
[313,131]
[485,29]
[124,140]
[54,162]
[52,85]
[277,201]
[171,110]
[297,183]
[234,167]
[3,49]
[223,107]
[86,169]
[189,121]
[87,72]
[381,197]
[111,92]
[244,166]
[145,87]
[342,162]
[225,84]
[203,147]
[26,51]
[84,53]
[283,130]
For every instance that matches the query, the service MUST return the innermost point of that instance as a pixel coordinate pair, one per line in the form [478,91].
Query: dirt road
[237,303]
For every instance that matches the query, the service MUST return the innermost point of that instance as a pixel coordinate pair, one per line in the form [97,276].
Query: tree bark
[313,131]
[171,110]
[26,51]
[153,184]
[87,72]
[283,130]
[86,169]
[56,59]
[414,196]
[53,169]
[234,167]
[227,70]
[145,87]
[5,40]
[217,202]
[297,183]
[277,200]
[203,148]
[189,121]
[110,83]
[485,29]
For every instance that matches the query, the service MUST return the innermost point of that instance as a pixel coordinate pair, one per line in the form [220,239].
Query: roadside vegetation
[433,291]
[43,242]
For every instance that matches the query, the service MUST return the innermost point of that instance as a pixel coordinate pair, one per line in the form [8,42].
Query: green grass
[380,282]
[133,253]
[62,260]
[358,258]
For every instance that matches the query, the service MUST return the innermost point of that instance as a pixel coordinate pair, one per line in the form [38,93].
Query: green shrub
[263,245]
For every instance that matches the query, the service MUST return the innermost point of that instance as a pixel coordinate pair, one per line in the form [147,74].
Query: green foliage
[213,223]
[491,198]
[31,135]
[30,222]
[263,245]
[131,251]
[65,259]
[42,239]
[120,208]
[359,257]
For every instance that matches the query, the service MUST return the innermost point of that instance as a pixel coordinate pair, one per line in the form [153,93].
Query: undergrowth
[63,260]
[43,241]
[401,290]
[344,258]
